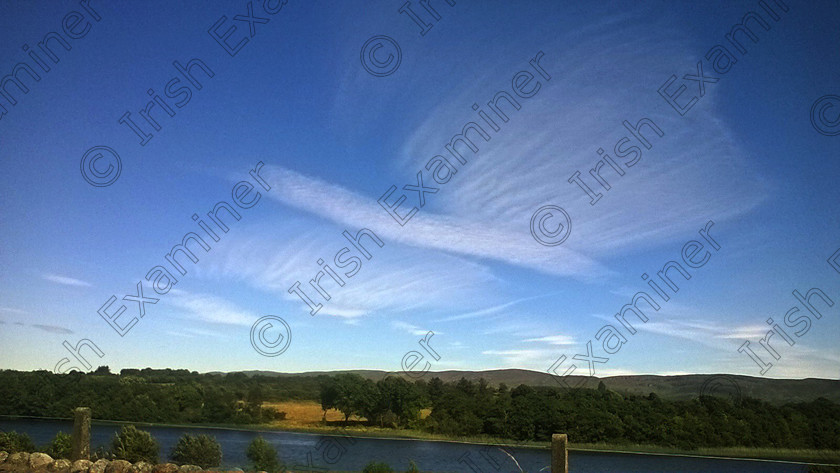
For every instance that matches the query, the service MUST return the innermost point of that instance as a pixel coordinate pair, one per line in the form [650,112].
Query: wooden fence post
[81,434]
[559,453]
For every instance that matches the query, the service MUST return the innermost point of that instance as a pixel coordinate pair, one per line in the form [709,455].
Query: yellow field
[305,414]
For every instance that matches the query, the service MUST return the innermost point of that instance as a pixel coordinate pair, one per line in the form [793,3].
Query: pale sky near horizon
[334,138]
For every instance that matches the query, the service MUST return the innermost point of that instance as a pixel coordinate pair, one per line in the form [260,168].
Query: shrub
[135,445]
[201,450]
[14,442]
[101,453]
[377,467]
[61,446]
[412,467]
[270,413]
[263,455]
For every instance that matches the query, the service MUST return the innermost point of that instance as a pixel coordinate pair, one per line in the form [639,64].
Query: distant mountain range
[679,387]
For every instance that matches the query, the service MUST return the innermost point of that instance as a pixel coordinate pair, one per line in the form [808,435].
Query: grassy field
[308,414]
[302,414]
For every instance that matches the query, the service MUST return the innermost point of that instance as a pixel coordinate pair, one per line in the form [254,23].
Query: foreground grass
[782,454]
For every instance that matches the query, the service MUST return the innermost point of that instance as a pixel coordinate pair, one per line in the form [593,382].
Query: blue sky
[334,138]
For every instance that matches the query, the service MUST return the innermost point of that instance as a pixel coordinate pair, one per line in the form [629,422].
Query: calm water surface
[322,452]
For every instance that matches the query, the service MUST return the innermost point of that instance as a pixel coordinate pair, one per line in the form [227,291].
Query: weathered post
[559,453]
[81,434]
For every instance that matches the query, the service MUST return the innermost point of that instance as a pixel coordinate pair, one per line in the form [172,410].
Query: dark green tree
[134,445]
[13,442]
[263,456]
[201,450]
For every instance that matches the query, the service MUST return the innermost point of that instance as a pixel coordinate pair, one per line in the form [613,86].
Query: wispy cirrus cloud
[493,310]
[799,361]
[210,308]
[449,233]
[484,212]
[558,132]
[521,357]
[410,328]
[66,281]
[53,329]
[743,332]
[540,359]
[686,323]
[12,310]
[193,333]
[398,278]
[561,340]
[490,201]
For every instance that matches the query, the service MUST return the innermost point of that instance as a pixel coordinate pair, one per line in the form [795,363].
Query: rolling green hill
[679,387]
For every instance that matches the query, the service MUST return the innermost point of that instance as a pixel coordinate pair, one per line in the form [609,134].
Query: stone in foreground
[80,466]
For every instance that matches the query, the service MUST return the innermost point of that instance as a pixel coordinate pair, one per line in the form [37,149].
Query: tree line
[457,409]
[163,396]
[467,408]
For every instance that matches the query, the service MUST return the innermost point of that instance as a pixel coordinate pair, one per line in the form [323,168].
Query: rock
[186,468]
[141,467]
[60,466]
[15,462]
[80,466]
[19,459]
[39,461]
[8,465]
[99,466]
[118,466]
[165,468]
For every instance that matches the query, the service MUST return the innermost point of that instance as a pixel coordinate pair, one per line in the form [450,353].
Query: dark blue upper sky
[334,138]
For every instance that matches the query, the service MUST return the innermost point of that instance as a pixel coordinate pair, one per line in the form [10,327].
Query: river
[321,452]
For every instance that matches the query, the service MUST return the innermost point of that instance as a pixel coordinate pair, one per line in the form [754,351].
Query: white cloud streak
[66,281]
